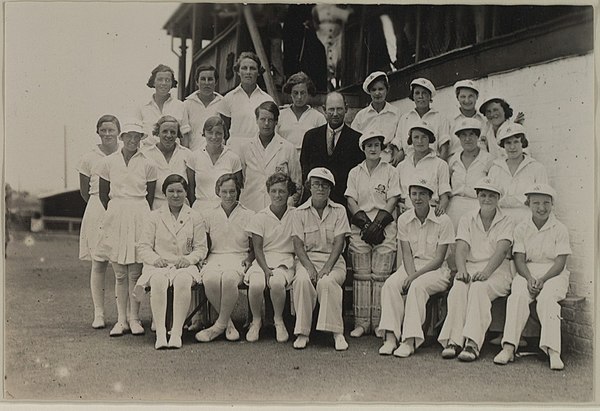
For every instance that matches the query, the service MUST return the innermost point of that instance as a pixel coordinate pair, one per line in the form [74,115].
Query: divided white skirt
[121,229]
[88,234]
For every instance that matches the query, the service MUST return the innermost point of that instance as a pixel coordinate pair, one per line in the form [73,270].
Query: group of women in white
[444,201]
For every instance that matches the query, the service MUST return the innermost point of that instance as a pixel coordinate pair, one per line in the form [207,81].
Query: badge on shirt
[381,190]
[189,245]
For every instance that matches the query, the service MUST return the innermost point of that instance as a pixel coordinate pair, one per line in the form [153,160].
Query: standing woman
[237,107]
[497,112]
[467,167]
[200,105]
[319,229]
[516,172]
[372,192]
[127,183]
[173,242]
[467,93]
[162,80]
[206,165]
[265,154]
[168,156]
[297,118]
[540,252]
[483,241]
[108,128]
[230,256]
[422,162]
[274,266]
[379,114]
[421,92]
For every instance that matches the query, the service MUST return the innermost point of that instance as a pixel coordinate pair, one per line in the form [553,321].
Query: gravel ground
[52,353]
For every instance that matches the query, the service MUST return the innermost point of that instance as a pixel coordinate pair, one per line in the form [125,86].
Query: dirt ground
[52,353]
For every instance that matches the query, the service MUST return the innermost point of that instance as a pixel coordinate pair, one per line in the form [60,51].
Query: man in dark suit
[334,146]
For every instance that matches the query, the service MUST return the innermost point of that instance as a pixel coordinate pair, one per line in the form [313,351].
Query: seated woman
[483,240]
[516,172]
[230,256]
[372,192]
[172,243]
[422,162]
[424,239]
[271,231]
[540,252]
[319,229]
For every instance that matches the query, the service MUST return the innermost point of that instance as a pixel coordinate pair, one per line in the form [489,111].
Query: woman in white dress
[173,242]
[108,129]
[126,190]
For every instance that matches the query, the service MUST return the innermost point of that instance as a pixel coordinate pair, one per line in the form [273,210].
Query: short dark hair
[270,107]
[381,141]
[299,78]
[429,133]
[281,178]
[223,179]
[108,118]
[166,119]
[172,179]
[524,141]
[160,69]
[212,122]
[206,67]
[508,112]
[248,55]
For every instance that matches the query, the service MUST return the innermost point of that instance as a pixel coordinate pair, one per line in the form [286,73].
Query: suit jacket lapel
[167,219]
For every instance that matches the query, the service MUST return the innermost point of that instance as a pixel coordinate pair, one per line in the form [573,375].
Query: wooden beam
[258,46]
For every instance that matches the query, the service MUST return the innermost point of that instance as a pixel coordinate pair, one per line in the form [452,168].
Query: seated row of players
[126,185]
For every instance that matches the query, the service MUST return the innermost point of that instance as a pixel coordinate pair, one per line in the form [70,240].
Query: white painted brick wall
[558,101]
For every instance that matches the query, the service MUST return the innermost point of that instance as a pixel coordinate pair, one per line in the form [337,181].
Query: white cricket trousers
[469,305]
[404,315]
[328,292]
[547,307]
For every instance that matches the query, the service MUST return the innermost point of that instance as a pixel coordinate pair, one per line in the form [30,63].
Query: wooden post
[182,58]
[256,41]
[418,36]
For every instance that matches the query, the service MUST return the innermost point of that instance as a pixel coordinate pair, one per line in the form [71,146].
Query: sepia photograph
[360,205]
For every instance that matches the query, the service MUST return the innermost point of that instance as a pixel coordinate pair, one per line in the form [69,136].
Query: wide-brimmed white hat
[371,78]
[132,126]
[367,135]
[421,182]
[466,84]
[512,129]
[486,183]
[423,82]
[321,172]
[541,188]
[467,124]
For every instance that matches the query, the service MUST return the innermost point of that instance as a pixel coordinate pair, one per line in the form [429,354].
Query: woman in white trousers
[424,239]
[319,230]
[540,252]
[173,242]
[483,240]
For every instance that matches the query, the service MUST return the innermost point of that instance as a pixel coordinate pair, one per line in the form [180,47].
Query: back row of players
[362,176]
